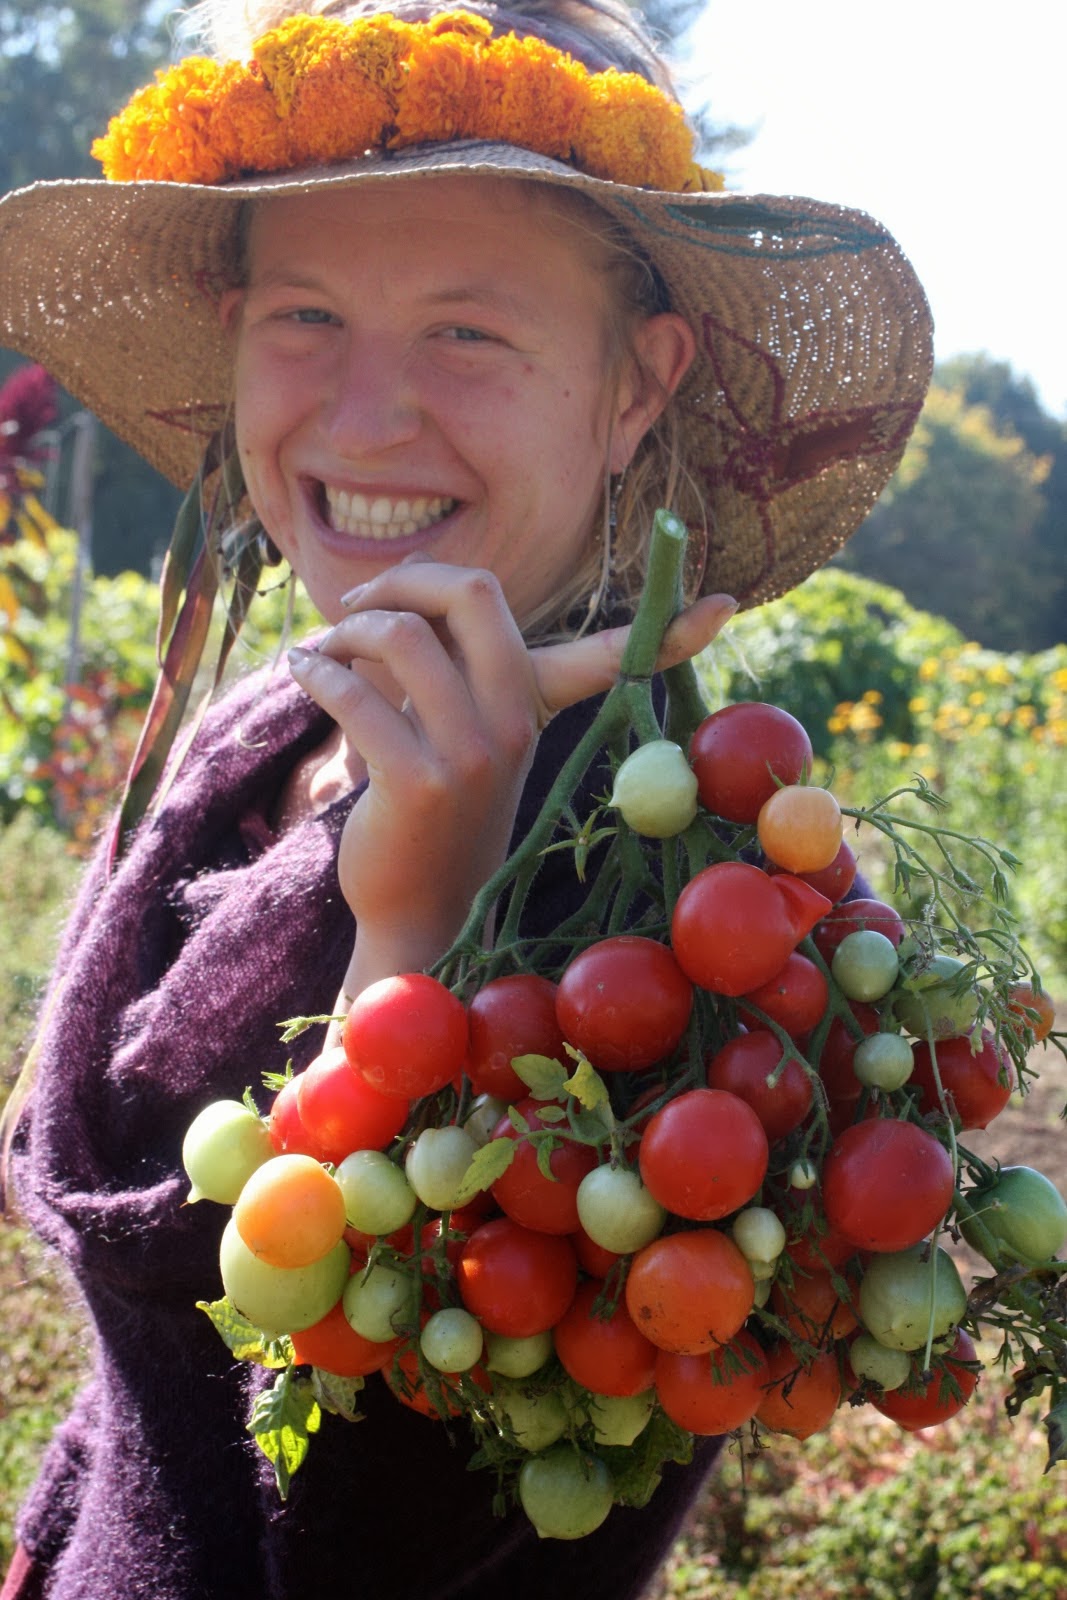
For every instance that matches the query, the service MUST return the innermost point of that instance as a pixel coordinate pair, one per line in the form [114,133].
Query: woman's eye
[313,316]
[467,335]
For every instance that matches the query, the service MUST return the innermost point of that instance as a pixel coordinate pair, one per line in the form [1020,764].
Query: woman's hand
[430,681]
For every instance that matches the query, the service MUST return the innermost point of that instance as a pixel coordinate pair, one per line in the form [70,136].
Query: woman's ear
[663,349]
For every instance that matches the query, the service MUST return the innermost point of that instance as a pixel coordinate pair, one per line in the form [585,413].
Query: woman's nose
[372,405]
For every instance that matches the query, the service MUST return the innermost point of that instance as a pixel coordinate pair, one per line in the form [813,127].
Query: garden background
[936,646]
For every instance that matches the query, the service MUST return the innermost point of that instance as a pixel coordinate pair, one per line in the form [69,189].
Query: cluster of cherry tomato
[689,1182]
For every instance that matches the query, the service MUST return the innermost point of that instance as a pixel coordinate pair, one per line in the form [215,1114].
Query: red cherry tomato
[509,1017]
[523,1192]
[342,1113]
[741,755]
[515,1281]
[743,1067]
[287,1133]
[935,1402]
[796,997]
[704,1154]
[688,1292]
[835,1061]
[850,917]
[711,1393]
[886,1184]
[799,1400]
[978,1083]
[733,926]
[606,1354]
[833,881]
[335,1346]
[624,1002]
[406,1036]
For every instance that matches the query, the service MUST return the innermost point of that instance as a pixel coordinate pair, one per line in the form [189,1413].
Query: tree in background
[64,69]
[968,527]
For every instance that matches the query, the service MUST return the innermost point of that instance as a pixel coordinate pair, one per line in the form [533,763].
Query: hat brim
[814,338]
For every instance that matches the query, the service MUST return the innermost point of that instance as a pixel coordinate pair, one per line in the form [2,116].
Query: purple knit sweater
[175,973]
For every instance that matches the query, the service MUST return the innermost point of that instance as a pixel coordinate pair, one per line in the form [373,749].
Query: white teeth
[382,518]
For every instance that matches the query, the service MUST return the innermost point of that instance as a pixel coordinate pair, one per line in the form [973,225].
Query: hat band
[318,91]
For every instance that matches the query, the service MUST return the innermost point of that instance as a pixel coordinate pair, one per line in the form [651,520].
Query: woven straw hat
[813,334]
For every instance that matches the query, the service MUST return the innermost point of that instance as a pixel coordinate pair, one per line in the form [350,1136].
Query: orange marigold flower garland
[319,91]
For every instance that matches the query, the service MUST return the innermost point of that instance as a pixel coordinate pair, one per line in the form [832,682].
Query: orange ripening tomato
[799,1400]
[812,1307]
[800,827]
[1034,1010]
[687,1292]
[715,1392]
[290,1212]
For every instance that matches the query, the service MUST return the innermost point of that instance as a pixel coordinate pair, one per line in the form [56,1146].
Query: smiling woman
[439,305]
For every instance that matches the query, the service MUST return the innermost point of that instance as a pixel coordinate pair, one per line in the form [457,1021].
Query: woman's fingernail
[298,658]
[353,595]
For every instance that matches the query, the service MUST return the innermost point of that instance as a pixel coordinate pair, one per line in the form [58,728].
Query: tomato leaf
[637,1468]
[543,1076]
[546,1148]
[587,1086]
[282,1422]
[247,1342]
[297,1025]
[487,1165]
[337,1394]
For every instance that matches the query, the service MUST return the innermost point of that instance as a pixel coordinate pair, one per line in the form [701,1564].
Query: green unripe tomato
[565,1494]
[515,1357]
[932,1001]
[437,1165]
[865,965]
[759,1235]
[222,1148]
[1025,1213]
[281,1299]
[618,1419]
[883,1061]
[617,1211]
[485,1113]
[762,1288]
[379,1303]
[378,1197]
[803,1174]
[452,1340]
[537,1419]
[902,1296]
[656,790]
[878,1363]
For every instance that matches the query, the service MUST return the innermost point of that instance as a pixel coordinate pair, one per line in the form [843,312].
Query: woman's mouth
[381,517]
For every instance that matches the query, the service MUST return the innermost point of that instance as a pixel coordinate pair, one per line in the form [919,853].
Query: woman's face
[425,367]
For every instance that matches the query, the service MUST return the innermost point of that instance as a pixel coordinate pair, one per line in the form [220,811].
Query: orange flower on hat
[442,92]
[246,130]
[168,123]
[534,96]
[632,133]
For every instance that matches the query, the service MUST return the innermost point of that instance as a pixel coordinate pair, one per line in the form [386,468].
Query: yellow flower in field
[899,750]
[1029,768]
[873,697]
[929,669]
[921,750]
[976,697]
[918,703]
[864,720]
[982,720]
[1026,715]
[1004,717]
[999,673]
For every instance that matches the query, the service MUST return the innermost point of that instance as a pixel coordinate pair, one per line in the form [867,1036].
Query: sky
[946,121]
